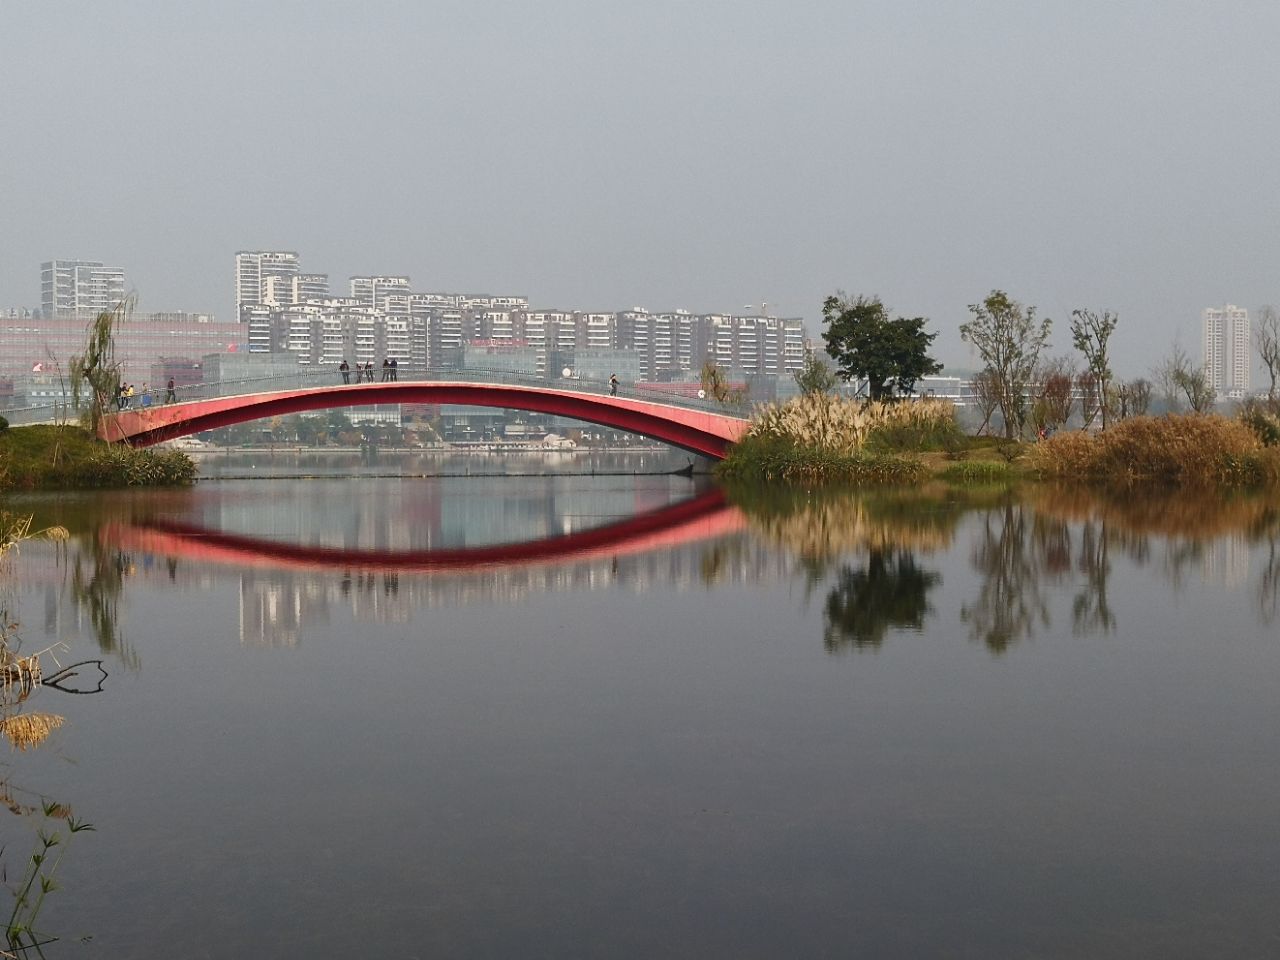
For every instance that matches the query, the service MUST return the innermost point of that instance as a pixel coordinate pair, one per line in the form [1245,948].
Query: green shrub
[63,458]
[942,433]
[770,458]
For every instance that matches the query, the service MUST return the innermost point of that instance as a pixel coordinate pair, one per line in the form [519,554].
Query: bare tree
[1010,341]
[815,376]
[1179,379]
[1089,335]
[987,397]
[1087,391]
[1266,337]
[716,385]
[1051,406]
[1132,399]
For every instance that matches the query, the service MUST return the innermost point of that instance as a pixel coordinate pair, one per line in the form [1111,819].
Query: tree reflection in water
[1027,545]
[97,581]
[891,591]
[1011,599]
[891,528]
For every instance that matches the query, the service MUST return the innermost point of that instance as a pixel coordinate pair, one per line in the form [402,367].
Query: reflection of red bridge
[698,430]
[704,517]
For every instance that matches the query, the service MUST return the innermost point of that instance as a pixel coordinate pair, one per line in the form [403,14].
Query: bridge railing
[310,377]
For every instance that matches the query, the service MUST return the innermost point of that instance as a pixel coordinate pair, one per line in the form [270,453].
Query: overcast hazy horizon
[706,155]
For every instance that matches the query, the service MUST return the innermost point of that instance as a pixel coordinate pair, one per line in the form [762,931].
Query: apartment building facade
[1228,349]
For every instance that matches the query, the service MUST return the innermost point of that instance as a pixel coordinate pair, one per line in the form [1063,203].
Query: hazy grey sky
[698,154]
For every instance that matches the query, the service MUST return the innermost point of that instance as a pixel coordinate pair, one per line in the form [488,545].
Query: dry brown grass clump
[1175,449]
[28,730]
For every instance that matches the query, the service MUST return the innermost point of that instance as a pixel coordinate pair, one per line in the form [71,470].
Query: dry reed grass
[27,730]
[1176,449]
[18,675]
[842,425]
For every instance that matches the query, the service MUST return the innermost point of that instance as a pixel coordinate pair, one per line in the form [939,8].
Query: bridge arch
[702,432]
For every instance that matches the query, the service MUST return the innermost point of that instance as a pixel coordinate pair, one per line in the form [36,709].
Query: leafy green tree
[1089,335]
[815,376]
[1009,341]
[866,344]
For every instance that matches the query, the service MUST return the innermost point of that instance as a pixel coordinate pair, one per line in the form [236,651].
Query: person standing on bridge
[345,371]
[368,370]
[170,396]
[613,384]
[395,371]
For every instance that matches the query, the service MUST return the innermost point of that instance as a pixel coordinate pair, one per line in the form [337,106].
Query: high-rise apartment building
[1228,356]
[72,288]
[373,291]
[265,276]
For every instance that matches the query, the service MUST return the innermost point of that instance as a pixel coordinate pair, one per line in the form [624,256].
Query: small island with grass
[819,437]
[66,456]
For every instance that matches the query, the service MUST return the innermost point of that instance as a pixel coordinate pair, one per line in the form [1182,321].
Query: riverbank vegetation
[65,457]
[823,437]
[1175,450]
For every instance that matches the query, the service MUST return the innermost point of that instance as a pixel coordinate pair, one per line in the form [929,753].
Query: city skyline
[703,156]
[268,282]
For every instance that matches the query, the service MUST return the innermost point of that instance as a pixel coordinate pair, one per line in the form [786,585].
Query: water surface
[340,721]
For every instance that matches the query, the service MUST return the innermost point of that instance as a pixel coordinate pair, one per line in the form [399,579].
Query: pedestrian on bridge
[345,371]
[386,369]
[170,396]
[368,370]
[395,371]
[613,384]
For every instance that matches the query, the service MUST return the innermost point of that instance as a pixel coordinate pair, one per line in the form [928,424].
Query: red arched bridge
[698,430]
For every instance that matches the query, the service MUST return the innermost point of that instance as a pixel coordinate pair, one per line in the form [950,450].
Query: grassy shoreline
[70,458]
[816,439]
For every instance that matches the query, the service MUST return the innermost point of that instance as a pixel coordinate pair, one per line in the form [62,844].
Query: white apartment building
[372,291]
[70,289]
[1228,349]
[255,270]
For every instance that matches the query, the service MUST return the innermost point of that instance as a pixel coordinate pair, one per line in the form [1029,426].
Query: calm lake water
[618,716]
